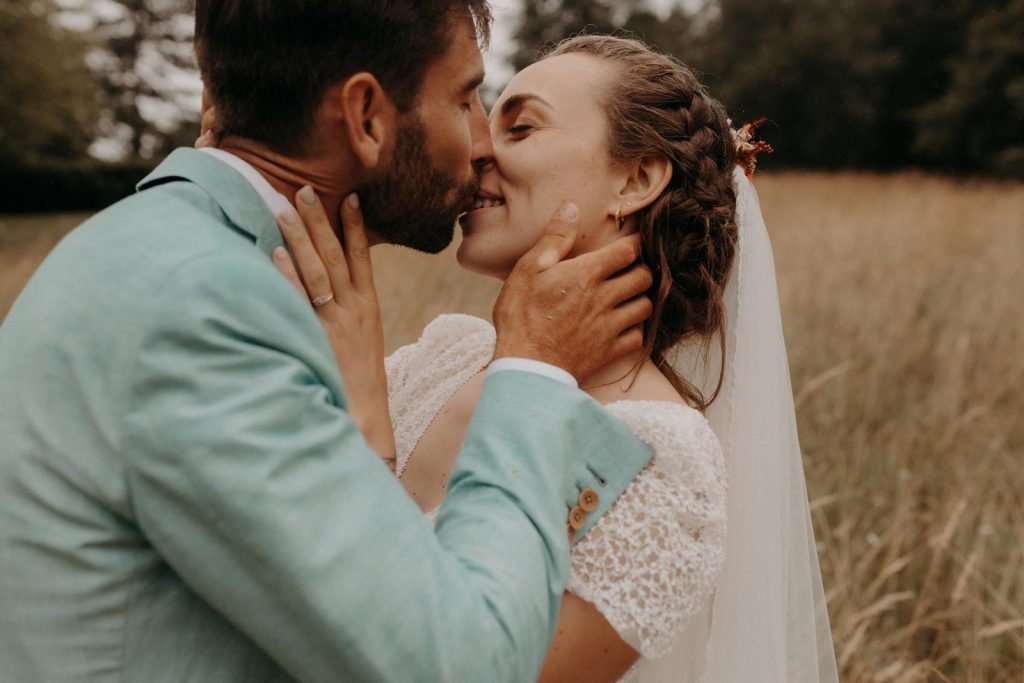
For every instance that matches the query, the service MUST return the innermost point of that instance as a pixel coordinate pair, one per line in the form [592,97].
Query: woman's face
[550,137]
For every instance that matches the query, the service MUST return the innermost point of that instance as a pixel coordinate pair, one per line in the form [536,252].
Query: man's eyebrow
[474,82]
[517,101]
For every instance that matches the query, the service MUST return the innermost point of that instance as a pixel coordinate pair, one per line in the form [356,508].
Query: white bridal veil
[768,621]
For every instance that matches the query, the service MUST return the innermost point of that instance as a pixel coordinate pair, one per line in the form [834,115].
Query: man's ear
[367,117]
[646,180]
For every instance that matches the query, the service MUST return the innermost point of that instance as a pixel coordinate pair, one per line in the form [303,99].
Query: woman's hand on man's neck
[331,176]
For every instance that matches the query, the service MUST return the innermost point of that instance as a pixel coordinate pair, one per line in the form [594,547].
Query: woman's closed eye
[520,129]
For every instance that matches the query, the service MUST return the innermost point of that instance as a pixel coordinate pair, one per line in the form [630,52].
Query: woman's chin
[476,258]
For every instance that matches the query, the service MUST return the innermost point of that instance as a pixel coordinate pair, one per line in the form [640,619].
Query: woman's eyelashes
[520,129]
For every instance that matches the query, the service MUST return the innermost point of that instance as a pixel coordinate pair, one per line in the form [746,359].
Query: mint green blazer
[183,496]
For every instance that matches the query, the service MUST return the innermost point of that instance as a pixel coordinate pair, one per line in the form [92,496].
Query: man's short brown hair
[267,63]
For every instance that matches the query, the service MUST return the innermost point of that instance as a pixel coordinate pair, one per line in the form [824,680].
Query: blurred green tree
[147,70]
[49,107]
[840,81]
[545,22]
[978,122]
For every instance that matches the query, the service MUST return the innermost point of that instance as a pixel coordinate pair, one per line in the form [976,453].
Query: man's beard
[412,202]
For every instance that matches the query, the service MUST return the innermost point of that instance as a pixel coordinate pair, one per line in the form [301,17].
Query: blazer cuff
[535,366]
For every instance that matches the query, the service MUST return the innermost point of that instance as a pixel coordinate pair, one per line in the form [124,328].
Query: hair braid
[656,106]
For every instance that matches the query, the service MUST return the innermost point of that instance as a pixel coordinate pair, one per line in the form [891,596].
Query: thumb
[558,239]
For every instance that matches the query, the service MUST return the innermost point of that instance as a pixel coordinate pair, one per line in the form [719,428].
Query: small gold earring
[619,221]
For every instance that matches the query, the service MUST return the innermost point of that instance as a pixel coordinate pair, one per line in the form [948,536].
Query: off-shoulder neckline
[675,404]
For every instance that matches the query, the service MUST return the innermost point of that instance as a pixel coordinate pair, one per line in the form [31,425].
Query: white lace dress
[649,565]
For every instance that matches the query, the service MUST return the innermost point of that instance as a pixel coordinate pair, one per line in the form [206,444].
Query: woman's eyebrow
[517,101]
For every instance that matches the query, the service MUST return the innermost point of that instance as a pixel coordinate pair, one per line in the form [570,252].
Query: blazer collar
[237,198]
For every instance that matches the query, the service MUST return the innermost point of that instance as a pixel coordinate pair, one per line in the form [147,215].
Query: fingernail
[280,254]
[353,200]
[289,216]
[307,195]
[569,212]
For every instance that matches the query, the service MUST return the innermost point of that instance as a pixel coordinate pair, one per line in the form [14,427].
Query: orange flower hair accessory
[747,148]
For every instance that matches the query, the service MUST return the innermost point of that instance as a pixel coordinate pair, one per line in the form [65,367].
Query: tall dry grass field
[903,302]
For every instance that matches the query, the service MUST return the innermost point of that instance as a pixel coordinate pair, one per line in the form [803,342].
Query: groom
[183,494]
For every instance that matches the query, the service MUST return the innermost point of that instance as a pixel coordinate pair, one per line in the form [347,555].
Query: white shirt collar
[275,201]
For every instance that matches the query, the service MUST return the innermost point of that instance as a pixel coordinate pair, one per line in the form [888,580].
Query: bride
[705,569]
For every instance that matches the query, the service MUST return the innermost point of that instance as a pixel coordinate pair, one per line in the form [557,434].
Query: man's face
[415,200]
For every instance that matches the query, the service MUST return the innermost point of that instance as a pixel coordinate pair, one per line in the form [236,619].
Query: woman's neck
[288,175]
[614,381]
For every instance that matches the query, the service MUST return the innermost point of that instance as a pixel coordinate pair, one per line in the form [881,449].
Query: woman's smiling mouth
[486,200]
[481,203]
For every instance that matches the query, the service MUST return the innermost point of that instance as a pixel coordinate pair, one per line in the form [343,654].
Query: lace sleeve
[651,562]
[398,364]
[423,376]
[450,344]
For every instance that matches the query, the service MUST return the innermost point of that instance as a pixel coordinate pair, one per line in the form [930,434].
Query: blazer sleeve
[251,480]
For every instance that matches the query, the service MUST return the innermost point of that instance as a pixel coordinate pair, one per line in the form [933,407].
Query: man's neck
[330,178]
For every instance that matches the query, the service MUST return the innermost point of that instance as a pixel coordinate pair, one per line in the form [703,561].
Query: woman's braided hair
[656,106]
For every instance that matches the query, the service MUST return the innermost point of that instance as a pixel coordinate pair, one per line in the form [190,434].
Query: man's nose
[483,150]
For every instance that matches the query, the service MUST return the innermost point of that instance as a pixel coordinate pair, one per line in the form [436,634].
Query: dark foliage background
[63,88]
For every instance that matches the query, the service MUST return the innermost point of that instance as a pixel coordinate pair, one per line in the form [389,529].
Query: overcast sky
[498,69]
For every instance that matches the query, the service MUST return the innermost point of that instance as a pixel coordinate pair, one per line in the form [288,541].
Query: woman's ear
[646,180]
[366,113]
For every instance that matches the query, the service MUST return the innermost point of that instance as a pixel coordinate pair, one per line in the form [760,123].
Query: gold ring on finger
[323,300]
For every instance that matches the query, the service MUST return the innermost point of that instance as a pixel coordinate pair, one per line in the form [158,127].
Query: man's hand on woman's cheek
[579,313]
